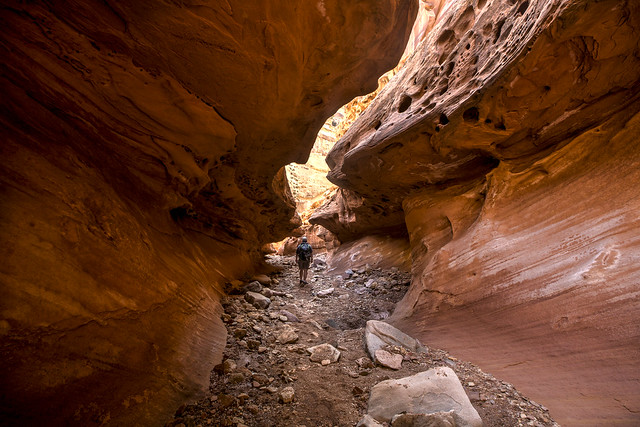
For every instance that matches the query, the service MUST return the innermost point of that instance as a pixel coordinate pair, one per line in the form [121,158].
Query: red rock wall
[509,142]
[143,146]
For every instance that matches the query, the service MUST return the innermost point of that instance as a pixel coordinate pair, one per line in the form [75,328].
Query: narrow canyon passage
[267,353]
[488,149]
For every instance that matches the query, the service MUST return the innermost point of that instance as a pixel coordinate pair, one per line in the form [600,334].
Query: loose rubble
[301,359]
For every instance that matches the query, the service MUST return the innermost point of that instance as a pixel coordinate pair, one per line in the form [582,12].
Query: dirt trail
[266,352]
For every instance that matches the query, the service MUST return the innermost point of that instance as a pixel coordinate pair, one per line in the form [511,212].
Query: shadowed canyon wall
[508,147]
[143,146]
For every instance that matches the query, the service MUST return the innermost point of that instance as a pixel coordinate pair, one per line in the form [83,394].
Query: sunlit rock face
[510,143]
[143,146]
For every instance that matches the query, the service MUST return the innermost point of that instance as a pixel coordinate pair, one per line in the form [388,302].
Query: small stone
[365,363]
[257,329]
[288,336]
[263,279]
[236,378]
[273,315]
[254,409]
[290,316]
[229,366]
[325,362]
[242,397]
[325,292]
[267,292]
[322,352]
[240,333]
[316,324]
[262,349]
[272,389]
[254,286]
[283,318]
[389,360]
[262,379]
[287,395]
[471,384]
[253,344]
[225,400]
[257,300]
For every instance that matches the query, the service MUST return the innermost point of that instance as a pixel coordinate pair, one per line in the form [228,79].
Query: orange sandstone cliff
[508,148]
[143,146]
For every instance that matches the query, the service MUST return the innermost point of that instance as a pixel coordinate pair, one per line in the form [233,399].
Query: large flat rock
[433,391]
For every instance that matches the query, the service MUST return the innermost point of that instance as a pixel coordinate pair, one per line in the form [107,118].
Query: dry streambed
[299,359]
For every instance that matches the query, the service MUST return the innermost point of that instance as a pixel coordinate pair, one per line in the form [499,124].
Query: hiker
[304,256]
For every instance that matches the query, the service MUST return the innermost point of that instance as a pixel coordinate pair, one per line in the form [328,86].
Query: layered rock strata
[143,146]
[509,145]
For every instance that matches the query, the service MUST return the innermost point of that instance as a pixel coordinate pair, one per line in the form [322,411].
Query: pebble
[325,292]
[229,366]
[288,336]
[287,395]
[236,378]
[316,324]
[324,351]
[289,315]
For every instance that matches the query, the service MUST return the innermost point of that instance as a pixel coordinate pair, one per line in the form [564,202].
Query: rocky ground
[267,377]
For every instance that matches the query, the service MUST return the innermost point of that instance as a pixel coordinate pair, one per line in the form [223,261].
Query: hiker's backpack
[304,252]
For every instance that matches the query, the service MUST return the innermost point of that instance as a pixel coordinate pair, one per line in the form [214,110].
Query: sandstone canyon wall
[143,146]
[509,149]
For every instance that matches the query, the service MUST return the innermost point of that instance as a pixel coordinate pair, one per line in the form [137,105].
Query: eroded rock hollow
[143,146]
[509,148]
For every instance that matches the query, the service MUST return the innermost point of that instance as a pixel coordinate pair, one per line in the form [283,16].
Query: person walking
[304,256]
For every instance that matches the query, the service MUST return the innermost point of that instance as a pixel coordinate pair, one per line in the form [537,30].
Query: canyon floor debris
[270,377]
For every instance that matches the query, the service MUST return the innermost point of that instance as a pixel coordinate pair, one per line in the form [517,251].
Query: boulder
[322,352]
[435,390]
[257,300]
[378,334]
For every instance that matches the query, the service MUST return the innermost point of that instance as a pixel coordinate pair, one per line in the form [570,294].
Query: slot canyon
[144,168]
